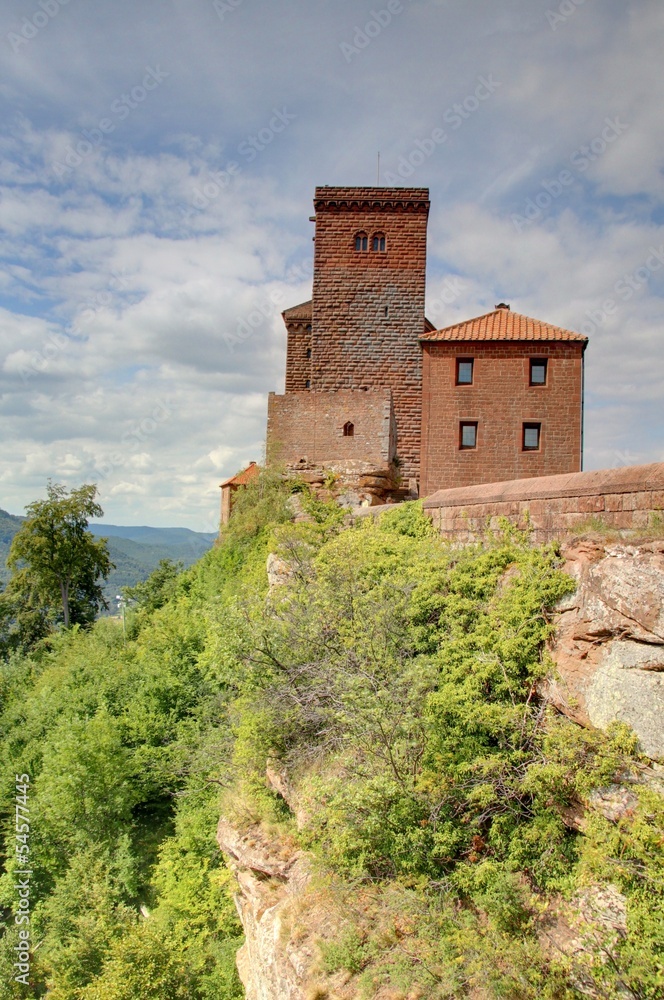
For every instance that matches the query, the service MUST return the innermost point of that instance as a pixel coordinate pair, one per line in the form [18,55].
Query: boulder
[608,647]
[279,572]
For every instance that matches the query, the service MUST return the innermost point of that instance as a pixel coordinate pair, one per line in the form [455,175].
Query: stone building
[373,389]
[230,486]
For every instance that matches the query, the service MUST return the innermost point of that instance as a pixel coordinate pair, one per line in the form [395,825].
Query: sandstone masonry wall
[310,426]
[500,400]
[298,356]
[630,498]
[368,306]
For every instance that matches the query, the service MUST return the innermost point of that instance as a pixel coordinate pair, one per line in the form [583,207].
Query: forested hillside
[135,551]
[392,679]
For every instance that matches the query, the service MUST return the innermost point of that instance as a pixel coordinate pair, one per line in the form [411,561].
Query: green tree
[151,594]
[57,564]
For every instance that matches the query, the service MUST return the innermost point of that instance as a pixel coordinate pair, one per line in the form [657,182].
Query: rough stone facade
[368,305]
[298,351]
[361,330]
[500,400]
[365,329]
[626,499]
[307,429]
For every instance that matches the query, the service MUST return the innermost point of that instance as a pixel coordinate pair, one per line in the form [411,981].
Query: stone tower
[361,331]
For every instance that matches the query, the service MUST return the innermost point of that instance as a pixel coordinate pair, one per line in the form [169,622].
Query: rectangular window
[467,434]
[532,434]
[538,371]
[464,371]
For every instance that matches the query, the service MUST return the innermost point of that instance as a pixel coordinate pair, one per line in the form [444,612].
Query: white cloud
[141,290]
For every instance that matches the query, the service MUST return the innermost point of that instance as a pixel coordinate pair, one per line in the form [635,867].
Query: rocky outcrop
[284,915]
[355,484]
[271,876]
[609,642]
[279,571]
[591,924]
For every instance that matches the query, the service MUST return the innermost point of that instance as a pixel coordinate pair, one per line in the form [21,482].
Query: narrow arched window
[361,241]
[349,429]
[378,243]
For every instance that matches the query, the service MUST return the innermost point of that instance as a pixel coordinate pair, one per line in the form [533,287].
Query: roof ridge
[510,321]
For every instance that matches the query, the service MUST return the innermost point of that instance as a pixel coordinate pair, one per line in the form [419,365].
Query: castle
[378,395]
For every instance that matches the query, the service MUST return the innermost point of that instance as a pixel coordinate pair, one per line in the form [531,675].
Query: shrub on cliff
[395,677]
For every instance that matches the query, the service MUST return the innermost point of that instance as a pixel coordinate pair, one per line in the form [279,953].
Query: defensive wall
[352,426]
[626,499]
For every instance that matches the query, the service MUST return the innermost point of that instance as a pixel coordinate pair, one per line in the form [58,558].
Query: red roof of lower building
[503,324]
[244,477]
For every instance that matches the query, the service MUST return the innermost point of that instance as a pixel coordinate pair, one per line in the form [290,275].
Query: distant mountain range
[135,550]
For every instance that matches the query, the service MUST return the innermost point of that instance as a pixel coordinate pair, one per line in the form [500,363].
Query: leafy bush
[395,678]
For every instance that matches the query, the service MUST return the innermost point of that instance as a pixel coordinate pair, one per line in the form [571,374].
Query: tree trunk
[64,590]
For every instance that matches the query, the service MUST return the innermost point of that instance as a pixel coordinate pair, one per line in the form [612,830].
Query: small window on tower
[468,434]
[361,241]
[307,384]
[538,371]
[308,352]
[378,243]
[532,434]
[349,429]
[464,371]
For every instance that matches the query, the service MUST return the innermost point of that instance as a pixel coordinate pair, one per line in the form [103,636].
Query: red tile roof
[244,477]
[503,324]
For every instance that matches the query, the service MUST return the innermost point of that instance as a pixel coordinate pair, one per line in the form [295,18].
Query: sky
[158,164]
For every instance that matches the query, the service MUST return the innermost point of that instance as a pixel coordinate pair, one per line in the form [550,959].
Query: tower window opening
[464,371]
[467,435]
[361,241]
[538,367]
[308,353]
[378,243]
[532,437]
[349,429]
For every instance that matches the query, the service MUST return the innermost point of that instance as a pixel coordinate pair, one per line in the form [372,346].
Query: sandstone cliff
[285,917]
[609,643]
[608,651]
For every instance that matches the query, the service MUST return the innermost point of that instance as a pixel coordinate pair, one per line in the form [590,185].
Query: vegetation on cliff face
[394,678]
